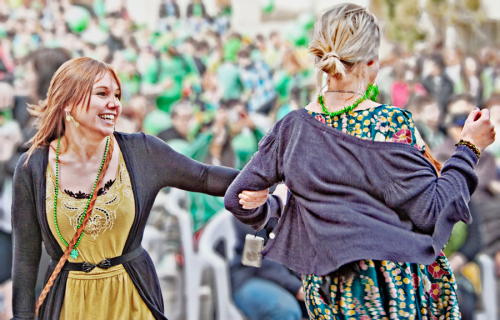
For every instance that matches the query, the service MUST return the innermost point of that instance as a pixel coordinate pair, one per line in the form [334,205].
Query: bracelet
[471,146]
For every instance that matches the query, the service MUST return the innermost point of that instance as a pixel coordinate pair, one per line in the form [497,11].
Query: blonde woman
[79,164]
[368,212]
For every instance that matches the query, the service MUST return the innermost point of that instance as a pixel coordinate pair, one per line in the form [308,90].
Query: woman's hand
[480,132]
[253,199]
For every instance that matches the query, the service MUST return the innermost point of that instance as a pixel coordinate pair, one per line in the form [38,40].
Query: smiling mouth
[107,117]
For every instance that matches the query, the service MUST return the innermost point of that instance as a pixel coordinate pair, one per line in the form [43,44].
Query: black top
[152,165]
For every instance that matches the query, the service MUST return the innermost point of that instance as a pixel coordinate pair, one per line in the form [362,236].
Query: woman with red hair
[86,191]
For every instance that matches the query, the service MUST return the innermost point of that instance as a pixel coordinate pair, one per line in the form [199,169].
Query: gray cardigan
[352,199]
[152,165]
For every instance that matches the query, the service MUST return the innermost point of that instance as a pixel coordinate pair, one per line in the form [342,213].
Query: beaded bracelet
[471,146]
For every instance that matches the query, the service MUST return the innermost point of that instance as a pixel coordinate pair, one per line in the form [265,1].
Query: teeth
[107,117]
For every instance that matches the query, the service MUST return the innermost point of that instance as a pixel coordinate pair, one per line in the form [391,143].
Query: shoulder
[293,118]
[394,116]
[29,165]
[400,127]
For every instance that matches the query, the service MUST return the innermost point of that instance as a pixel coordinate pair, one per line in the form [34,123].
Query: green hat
[77,18]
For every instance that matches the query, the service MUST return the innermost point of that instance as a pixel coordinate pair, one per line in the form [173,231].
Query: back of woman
[368,212]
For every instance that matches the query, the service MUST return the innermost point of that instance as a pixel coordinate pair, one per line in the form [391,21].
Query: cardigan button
[272,235]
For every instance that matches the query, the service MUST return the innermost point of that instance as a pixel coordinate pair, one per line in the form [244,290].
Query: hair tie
[329,55]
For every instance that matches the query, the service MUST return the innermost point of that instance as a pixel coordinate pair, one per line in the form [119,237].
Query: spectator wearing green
[164,76]
[228,73]
[231,141]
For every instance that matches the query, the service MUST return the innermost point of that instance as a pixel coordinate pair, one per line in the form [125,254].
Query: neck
[83,148]
[338,99]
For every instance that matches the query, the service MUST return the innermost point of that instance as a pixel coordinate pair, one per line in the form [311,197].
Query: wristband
[471,146]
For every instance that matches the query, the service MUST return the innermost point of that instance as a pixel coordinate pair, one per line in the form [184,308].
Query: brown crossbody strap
[73,241]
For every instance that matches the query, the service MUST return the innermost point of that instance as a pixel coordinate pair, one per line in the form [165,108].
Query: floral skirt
[386,290]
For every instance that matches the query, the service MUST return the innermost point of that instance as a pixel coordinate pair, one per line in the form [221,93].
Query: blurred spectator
[196,9]
[427,116]
[228,73]
[493,104]
[257,83]
[117,29]
[182,114]
[472,79]
[454,69]
[490,210]
[169,8]
[457,111]
[463,246]
[164,77]
[465,242]
[270,292]
[437,82]
[400,89]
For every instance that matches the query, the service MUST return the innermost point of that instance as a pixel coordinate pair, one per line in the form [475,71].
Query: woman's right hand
[480,132]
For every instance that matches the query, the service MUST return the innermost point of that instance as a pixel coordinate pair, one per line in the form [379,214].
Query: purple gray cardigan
[352,199]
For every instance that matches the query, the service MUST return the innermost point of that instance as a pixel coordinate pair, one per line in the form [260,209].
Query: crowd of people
[212,94]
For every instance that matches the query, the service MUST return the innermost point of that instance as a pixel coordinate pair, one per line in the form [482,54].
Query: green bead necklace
[371,93]
[74,252]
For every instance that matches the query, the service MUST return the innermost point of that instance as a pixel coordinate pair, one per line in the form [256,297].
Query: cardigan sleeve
[260,173]
[178,171]
[27,243]
[433,203]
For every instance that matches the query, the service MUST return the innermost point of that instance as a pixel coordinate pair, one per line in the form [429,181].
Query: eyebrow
[105,87]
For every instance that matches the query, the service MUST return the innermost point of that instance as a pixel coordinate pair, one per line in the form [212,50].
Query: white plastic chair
[193,263]
[489,286]
[220,228]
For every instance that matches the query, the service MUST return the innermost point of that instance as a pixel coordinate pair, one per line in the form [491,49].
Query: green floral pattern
[384,289]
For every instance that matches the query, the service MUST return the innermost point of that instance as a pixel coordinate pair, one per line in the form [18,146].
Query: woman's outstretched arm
[178,171]
[260,173]
[27,243]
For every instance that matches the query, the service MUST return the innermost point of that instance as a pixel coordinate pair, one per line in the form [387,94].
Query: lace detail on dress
[82,195]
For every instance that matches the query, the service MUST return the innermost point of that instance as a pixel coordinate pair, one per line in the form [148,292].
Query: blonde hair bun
[344,36]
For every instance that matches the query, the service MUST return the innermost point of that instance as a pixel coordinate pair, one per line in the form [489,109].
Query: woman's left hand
[253,199]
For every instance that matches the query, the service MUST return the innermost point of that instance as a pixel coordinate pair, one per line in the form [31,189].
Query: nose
[115,102]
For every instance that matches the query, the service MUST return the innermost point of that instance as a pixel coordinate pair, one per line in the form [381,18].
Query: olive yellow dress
[99,294]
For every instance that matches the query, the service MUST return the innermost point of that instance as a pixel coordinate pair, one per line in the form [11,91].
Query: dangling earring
[69,118]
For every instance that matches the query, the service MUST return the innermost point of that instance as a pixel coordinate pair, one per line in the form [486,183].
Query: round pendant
[74,254]
[68,118]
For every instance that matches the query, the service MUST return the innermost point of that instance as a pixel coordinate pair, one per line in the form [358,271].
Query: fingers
[473,115]
[485,114]
[256,193]
[253,199]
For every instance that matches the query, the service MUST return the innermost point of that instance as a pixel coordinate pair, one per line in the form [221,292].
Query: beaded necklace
[371,93]
[74,252]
